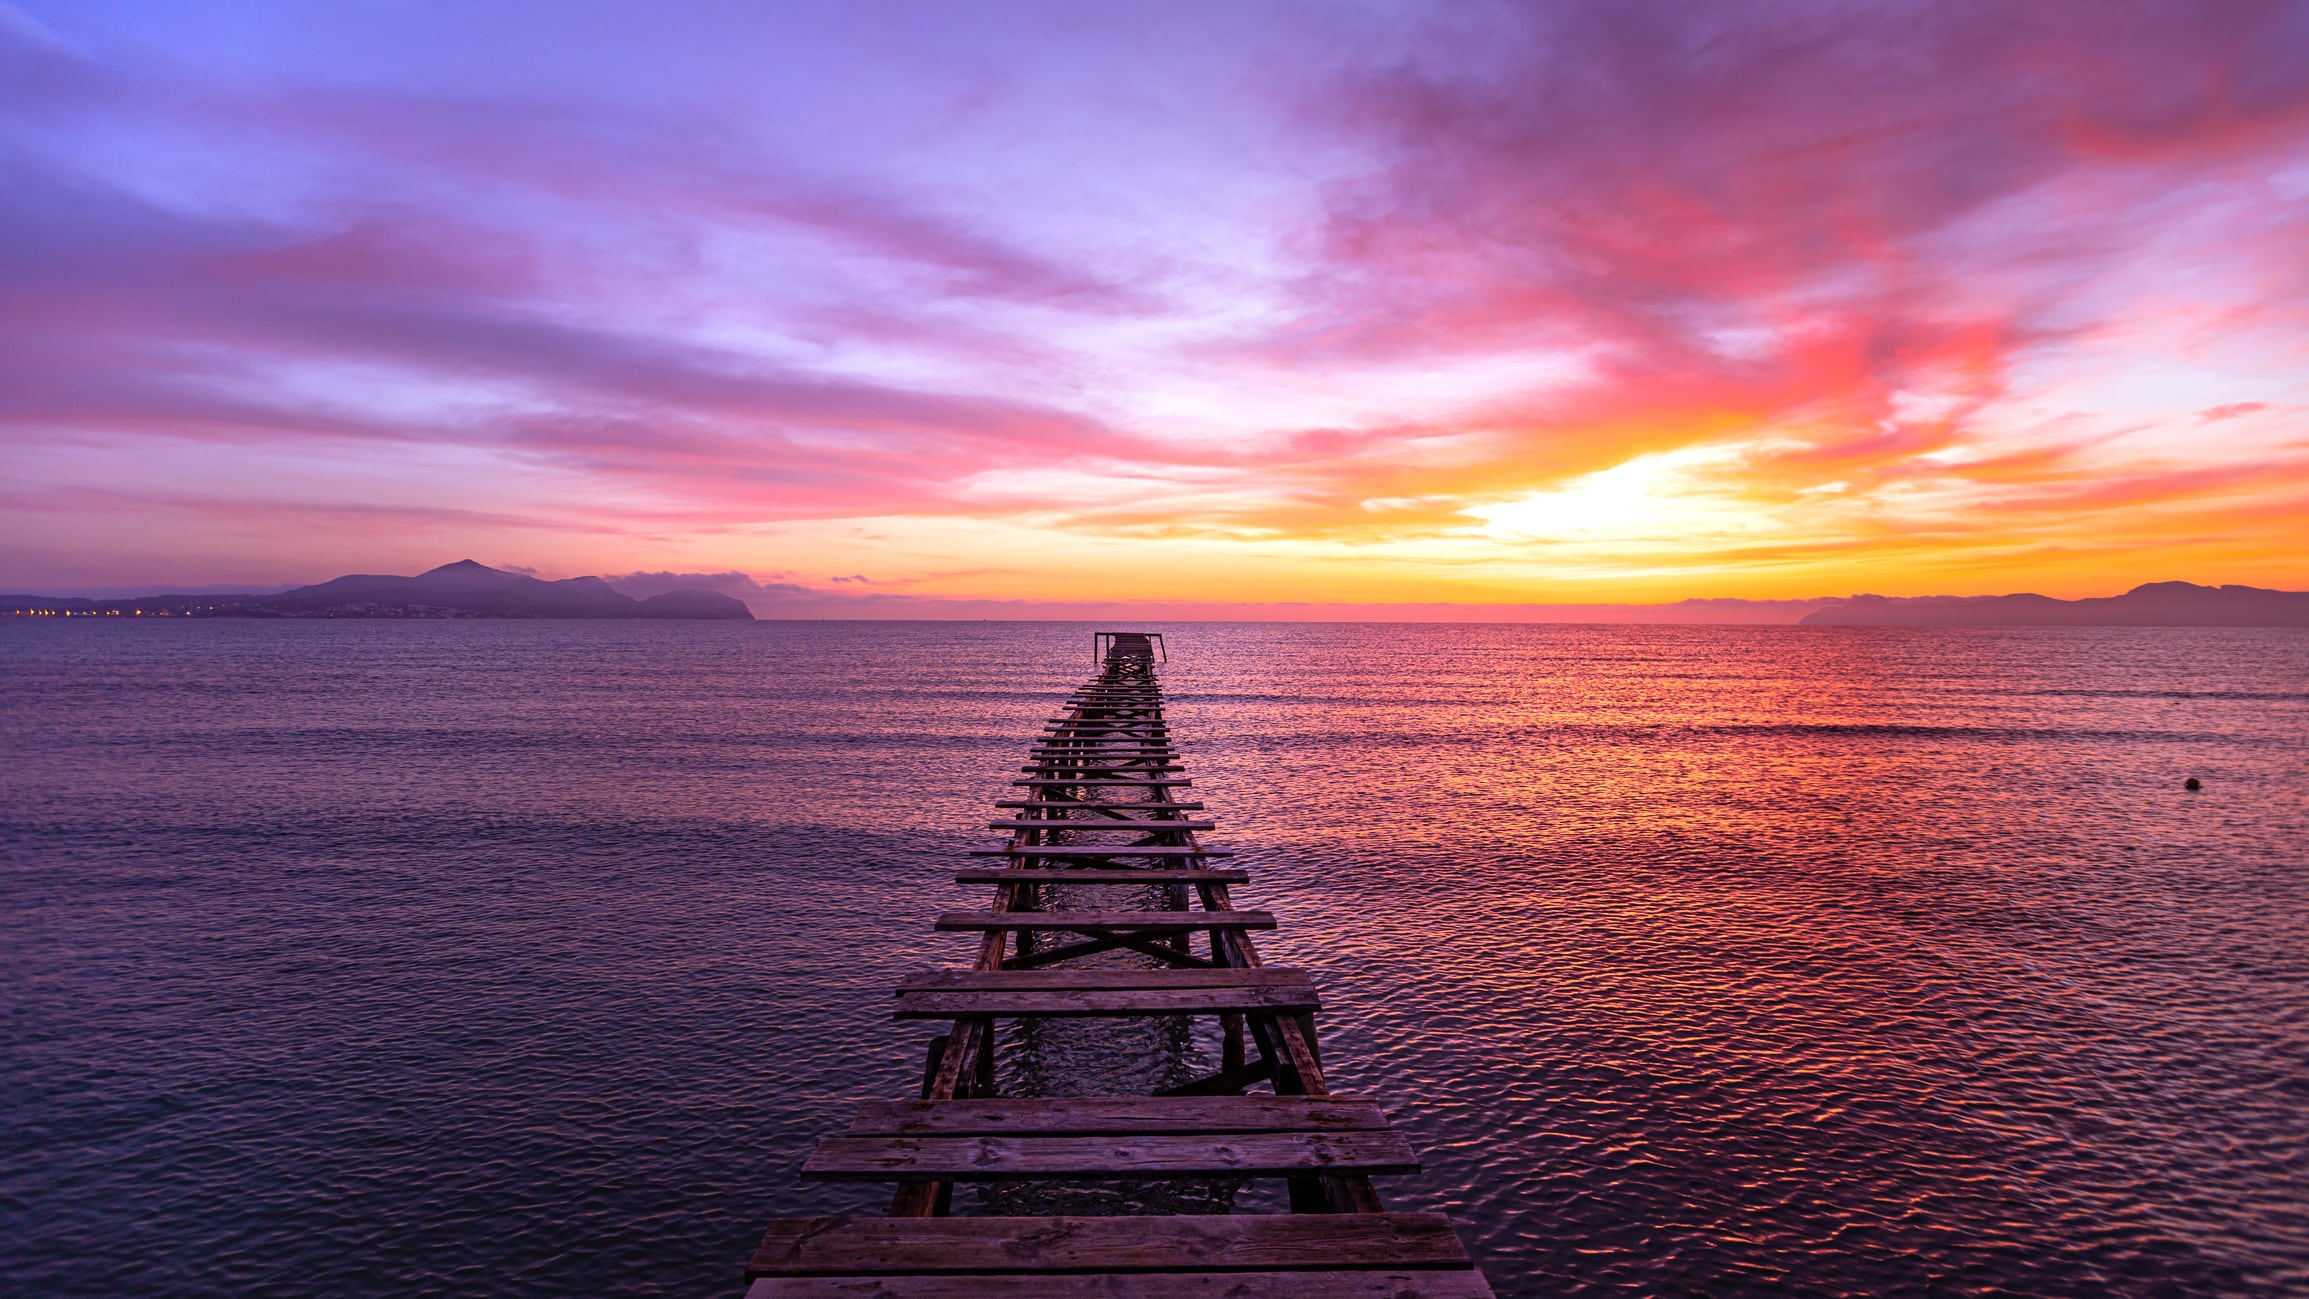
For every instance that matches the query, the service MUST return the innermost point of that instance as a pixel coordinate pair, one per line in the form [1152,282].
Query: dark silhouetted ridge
[2153,604]
[464,589]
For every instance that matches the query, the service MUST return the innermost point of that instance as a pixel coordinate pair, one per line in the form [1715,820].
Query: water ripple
[473,958]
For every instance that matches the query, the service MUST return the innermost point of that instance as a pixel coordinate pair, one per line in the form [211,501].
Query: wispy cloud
[1737,297]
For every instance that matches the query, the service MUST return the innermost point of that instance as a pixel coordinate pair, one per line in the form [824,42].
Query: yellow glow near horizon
[1827,318]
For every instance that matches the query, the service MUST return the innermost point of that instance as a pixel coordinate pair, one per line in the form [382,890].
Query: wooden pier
[1101,808]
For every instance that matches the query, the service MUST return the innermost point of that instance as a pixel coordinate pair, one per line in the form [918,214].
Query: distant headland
[464,589]
[2153,604]
[470,590]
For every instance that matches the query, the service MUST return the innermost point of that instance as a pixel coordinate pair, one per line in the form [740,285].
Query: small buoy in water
[2192,783]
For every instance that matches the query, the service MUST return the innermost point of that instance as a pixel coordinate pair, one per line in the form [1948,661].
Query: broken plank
[1226,1081]
[999,1158]
[1064,851]
[1116,1115]
[1377,1284]
[1148,875]
[1204,1242]
[1167,783]
[1099,807]
[1078,1004]
[1137,942]
[1102,823]
[1100,769]
[980,921]
[1264,976]
[1106,726]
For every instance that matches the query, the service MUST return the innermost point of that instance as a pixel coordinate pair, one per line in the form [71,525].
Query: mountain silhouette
[472,588]
[2153,604]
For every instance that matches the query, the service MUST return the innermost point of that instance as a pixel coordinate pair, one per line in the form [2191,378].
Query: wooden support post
[1301,1055]
[1175,896]
[930,1064]
[1029,898]
[1306,1022]
[985,1081]
[1226,1082]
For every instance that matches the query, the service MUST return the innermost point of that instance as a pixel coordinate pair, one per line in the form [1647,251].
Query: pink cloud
[1852,231]
[2231,410]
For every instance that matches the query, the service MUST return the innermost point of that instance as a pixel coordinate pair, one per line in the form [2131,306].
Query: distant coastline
[467,590]
[464,589]
[2152,604]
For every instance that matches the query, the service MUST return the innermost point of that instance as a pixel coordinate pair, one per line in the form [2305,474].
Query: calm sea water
[527,958]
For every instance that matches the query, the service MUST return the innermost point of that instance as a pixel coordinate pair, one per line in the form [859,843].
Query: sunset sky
[1344,302]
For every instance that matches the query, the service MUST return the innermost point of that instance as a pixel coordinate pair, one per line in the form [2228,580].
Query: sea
[528,958]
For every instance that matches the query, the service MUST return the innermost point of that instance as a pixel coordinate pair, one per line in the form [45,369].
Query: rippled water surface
[527,958]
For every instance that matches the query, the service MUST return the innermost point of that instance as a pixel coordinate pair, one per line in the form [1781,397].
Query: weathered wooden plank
[1077,852]
[1145,875]
[1086,805]
[1106,823]
[1169,783]
[1083,1004]
[1266,976]
[1103,816]
[1128,727]
[1378,1284]
[980,921]
[1203,1243]
[1101,774]
[1135,723]
[1116,1115]
[996,1158]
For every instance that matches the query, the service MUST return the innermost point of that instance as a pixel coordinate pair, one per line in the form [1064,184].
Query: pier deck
[1101,767]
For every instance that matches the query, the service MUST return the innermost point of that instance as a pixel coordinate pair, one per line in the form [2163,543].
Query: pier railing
[1100,809]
